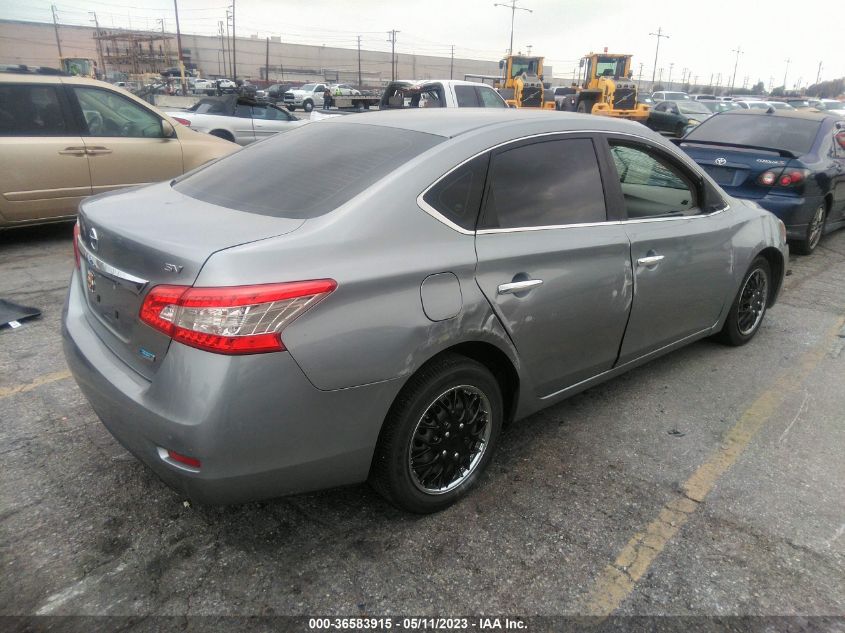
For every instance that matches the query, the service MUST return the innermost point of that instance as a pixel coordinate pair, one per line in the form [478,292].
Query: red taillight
[231,319]
[767,178]
[193,462]
[76,243]
[791,177]
[184,122]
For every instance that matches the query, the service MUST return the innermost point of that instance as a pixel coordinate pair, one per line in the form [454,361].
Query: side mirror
[167,129]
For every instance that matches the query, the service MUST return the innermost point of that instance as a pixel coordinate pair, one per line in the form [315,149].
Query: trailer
[354,102]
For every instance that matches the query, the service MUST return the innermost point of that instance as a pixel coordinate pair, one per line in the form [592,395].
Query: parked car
[666,95]
[276,92]
[237,119]
[235,369]
[439,93]
[704,97]
[673,118]
[790,162]
[205,86]
[752,104]
[798,103]
[831,106]
[780,105]
[65,138]
[719,106]
[565,98]
[344,90]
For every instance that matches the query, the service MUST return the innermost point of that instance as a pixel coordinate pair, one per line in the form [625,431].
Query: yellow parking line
[617,580]
[5,392]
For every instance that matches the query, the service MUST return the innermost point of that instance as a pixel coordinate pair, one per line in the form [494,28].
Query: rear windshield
[794,135]
[306,172]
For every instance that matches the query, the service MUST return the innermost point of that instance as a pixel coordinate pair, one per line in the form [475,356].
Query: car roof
[810,115]
[451,122]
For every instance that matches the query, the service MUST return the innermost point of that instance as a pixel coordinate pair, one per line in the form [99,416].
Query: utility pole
[234,47]
[669,81]
[222,46]
[719,80]
[281,64]
[267,62]
[229,37]
[56,27]
[738,51]
[640,78]
[179,46]
[452,63]
[359,62]
[711,81]
[658,35]
[659,77]
[100,44]
[392,41]
[512,6]
[784,74]
[819,74]
[166,46]
[529,47]
[695,81]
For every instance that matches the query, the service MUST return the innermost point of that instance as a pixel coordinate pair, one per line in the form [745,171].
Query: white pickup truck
[307,97]
[439,93]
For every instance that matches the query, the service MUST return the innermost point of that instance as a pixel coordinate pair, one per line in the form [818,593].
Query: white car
[205,86]
[236,118]
[344,90]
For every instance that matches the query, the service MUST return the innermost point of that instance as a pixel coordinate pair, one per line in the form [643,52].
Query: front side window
[547,183]
[110,114]
[29,110]
[490,98]
[651,185]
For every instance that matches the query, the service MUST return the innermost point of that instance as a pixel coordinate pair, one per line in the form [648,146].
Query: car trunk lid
[124,253]
[738,169]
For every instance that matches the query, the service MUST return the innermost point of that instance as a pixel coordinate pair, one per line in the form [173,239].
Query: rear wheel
[749,306]
[815,230]
[439,435]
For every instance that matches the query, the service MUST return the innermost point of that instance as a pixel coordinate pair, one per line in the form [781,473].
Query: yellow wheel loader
[521,85]
[608,88]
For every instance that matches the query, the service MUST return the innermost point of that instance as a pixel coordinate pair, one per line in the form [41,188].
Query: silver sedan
[379,307]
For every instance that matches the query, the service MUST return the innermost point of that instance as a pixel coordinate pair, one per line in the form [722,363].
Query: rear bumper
[258,426]
[795,213]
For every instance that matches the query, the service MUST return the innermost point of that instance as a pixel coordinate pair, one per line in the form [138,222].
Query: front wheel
[815,230]
[439,435]
[308,106]
[749,306]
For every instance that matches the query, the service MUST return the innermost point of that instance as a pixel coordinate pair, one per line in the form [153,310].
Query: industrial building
[124,52]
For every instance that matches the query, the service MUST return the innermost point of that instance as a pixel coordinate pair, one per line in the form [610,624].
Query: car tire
[582,107]
[814,233]
[749,306]
[291,107]
[429,417]
[308,106]
[224,134]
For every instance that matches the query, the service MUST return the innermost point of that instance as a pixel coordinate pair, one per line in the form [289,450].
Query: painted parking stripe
[5,392]
[618,579]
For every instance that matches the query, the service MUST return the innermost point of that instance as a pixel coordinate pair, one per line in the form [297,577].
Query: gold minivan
[64,138]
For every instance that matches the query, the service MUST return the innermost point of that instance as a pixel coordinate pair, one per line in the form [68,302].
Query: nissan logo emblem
[92,238]
[720,161]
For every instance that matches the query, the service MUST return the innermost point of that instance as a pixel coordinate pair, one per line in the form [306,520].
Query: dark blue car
[791,163]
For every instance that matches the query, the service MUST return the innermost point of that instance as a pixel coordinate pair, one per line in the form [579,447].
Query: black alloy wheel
[439,435]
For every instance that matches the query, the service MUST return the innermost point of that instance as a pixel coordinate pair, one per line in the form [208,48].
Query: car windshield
[775,132]
[693,107]
[719,106]
[676,96]
[308,87]
[264,180]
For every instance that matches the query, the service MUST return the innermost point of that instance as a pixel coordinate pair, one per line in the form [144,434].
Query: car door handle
[518,286]
[72,151]
[97,150]
[650,260]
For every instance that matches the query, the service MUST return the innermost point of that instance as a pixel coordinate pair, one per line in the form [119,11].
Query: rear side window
[490,98]
[466,96]
[30,110]
[458,195]
[545,184]
[306,172]
[775,132]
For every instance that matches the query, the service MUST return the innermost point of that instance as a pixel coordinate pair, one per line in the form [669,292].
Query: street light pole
[738,51]
[658,35]
[784,74]
[512,6]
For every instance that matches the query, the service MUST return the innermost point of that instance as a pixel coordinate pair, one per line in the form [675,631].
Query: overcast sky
[702,34]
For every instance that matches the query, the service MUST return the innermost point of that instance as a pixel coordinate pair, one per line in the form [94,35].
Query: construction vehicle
[79,67]
[521,85]
[608,88]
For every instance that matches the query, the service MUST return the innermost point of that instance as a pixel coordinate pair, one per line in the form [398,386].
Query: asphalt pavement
[710,482]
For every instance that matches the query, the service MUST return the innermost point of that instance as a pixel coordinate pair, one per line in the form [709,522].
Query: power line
[658,35]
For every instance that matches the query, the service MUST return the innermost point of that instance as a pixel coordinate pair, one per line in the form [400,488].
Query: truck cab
[445,93]
[306,97]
